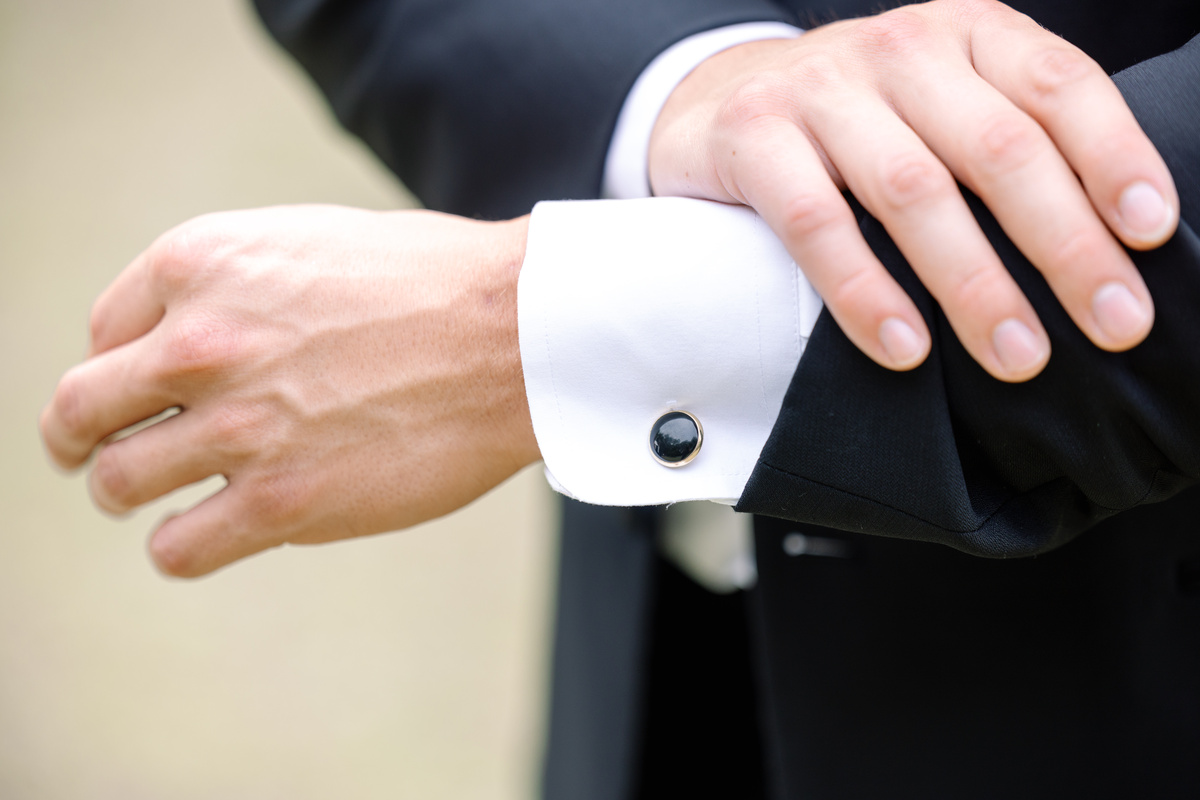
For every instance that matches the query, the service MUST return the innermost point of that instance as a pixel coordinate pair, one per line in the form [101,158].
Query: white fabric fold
[630,309]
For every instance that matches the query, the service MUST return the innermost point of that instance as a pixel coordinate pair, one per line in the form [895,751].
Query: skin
[352,372]
[897,108]
[349,372]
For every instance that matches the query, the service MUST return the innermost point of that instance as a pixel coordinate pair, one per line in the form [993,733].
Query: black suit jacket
[907,669]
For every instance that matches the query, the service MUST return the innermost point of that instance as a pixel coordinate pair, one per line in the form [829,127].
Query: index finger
[131,305]
[780,175]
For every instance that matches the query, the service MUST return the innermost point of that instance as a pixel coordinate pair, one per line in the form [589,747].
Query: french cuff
[630,310]
[625,168]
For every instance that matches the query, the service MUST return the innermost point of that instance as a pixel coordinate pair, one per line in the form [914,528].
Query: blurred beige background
[405,665]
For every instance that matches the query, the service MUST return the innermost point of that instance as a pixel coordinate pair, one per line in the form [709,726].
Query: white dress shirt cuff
[630,309]
[625,169]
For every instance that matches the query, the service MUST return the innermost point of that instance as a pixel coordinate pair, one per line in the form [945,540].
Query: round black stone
[674,437]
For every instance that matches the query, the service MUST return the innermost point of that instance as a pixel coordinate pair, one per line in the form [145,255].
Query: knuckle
[280,501]
[853,292]
[1107,148]
[1075,252]
[115,490]
[971,10]
[757,98]
[238,429]
[184,253]
[166,271]
[201,343]
[806,215]
[70,405]
[1005,144]
[97,323]
[814,73]
[976,291]
[772,94]
[898,34]
[912,179]
[173,557]
[171,264]
[1055,68]
[59,450]
[975,17]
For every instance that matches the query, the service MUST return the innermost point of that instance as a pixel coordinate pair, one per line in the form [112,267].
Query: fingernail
[1120,316]
[1144,211]
[1019,349]
[902,344]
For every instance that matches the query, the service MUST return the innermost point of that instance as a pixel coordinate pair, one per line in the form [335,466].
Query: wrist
[625,174]
[505,390]
[674,166]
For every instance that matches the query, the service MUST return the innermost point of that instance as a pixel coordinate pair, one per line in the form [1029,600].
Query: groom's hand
[348,372]
[897,108]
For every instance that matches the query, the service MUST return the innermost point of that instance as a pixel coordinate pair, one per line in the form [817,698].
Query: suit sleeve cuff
[625,168]
[630,309]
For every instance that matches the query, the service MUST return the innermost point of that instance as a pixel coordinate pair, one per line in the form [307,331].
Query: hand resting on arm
[898,107]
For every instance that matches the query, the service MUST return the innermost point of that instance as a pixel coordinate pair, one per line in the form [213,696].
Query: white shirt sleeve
[625,168]
[630,309]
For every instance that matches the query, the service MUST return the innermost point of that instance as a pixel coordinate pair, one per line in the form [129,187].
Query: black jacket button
[675,438]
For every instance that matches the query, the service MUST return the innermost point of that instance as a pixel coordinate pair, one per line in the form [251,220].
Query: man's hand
[348,372]
[896,108]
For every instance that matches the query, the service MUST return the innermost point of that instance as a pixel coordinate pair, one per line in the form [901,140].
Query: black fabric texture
[481,108]
[700,723]
[911,670]
[601,636]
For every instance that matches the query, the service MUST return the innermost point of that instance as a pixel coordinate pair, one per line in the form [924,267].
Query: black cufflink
[675,438]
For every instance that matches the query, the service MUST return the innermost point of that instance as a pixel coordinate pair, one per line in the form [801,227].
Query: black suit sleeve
[484,108]
[947,454]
